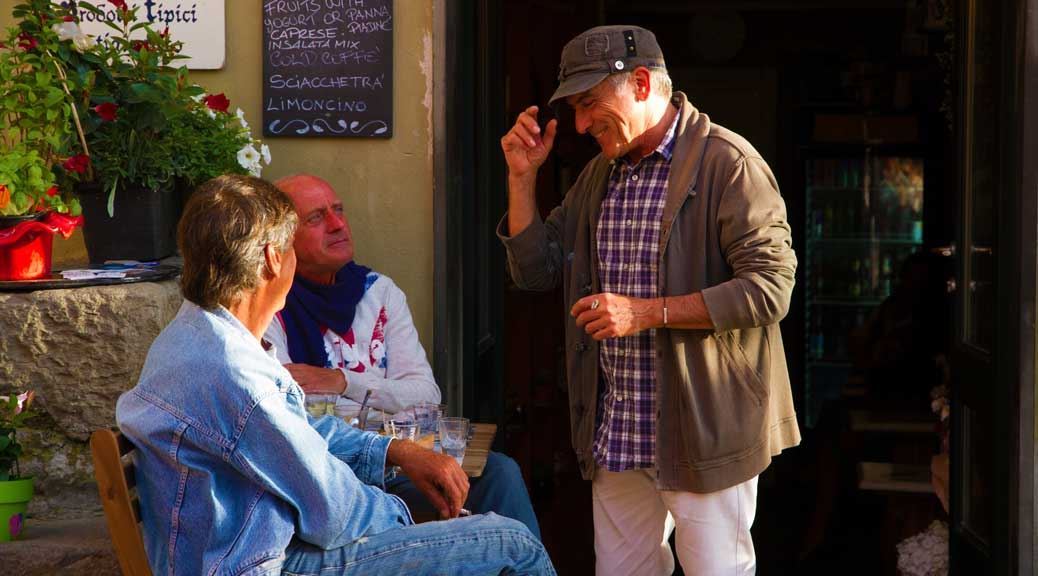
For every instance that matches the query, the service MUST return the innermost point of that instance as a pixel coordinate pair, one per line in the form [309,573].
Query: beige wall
[386,185]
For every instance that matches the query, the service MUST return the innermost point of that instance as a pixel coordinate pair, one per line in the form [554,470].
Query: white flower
[83,42]
[198,98]
[241,118]
[249,159]
[66,30]
[211,112]
[925,554]
[265,153]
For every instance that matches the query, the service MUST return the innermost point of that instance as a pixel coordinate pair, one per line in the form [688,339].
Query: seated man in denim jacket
[347,330]
[233,476]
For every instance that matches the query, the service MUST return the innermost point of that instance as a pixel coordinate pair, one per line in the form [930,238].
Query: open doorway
[861,110]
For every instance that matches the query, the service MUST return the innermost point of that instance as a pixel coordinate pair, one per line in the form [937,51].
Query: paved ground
[65,547]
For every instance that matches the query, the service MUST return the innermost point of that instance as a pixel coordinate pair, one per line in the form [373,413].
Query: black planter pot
[9,221]
[143,227]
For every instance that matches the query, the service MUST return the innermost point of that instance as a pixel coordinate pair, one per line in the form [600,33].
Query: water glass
[454,436]
[321,404]
[402,427]
[428,415]
[350,413]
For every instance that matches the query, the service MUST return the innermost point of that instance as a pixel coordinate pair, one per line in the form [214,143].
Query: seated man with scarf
[347,330]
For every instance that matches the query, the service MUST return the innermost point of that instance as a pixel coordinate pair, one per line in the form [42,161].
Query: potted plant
[117,121]
[151,133]
[15,490]
[35,141]
[134,98]
[210,142]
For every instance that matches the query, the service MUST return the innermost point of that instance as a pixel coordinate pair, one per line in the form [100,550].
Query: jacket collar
[689,146]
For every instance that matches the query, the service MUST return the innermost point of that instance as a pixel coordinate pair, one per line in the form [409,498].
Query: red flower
[139,45]
[52,191]
[217,102]
[120,4]
[26,42]
[165,32]
[69,18]
[107,111]
[78,163]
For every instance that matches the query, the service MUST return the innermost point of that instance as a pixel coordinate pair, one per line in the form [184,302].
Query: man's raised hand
[526,146]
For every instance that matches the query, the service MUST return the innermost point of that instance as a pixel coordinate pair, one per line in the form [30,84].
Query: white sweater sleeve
[276,336]
[409,378]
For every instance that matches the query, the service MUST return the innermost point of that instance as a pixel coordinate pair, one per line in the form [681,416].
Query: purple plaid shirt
[628,262]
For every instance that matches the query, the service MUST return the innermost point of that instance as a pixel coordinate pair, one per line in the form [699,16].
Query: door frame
[1024,543]
[468,198]
[1013,544]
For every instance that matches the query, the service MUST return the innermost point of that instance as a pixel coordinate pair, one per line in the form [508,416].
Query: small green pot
[14,499]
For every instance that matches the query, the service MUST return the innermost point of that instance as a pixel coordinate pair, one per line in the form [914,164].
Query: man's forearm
[688,312]
[400,452]
[522,202]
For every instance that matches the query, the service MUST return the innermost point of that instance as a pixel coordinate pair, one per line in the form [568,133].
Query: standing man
[675,256]
[347,330]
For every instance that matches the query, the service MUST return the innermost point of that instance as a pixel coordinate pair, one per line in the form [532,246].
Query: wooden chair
[113,469]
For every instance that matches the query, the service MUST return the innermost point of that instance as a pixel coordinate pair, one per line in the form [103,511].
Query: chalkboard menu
[328,68]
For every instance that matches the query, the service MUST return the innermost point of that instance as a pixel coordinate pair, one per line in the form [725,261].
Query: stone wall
[78,349]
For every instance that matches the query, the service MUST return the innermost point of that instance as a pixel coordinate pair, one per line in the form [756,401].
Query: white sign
[199,24]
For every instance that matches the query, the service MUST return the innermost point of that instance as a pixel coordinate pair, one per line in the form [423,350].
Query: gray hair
[225,226]
[661,83]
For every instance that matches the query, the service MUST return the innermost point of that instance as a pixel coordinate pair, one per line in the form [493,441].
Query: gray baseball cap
[596,53]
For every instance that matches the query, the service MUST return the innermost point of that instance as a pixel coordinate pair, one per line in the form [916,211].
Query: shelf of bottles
[864,218]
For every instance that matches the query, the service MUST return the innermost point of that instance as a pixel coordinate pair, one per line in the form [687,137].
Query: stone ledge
[65,547]
[79,349]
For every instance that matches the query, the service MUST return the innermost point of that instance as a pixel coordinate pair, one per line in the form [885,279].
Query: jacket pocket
[729,343]
[723,405]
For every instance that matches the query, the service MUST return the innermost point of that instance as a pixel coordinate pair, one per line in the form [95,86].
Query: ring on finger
[594,304]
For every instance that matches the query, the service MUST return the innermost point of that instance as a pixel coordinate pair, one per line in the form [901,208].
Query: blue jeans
[500,490]
[484,544]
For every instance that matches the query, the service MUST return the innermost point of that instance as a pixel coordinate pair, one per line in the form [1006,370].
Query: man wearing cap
[677,265]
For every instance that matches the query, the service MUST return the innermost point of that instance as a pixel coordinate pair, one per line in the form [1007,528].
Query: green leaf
[111,198]
[146,93]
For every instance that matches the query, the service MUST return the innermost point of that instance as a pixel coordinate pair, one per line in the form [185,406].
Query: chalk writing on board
[328,68]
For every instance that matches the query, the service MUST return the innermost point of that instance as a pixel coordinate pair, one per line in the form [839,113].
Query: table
[478,448]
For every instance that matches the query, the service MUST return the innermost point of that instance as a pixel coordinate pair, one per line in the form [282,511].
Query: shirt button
[630,222]
[634,177]
[619,398]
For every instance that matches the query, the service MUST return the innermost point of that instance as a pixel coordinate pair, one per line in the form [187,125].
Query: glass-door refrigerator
[864,219]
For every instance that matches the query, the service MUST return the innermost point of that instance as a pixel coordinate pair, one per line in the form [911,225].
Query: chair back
[113,469]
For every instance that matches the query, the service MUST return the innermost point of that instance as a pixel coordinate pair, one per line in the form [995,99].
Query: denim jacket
[231,468]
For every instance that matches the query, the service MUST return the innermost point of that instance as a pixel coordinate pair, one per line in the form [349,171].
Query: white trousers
[634,520]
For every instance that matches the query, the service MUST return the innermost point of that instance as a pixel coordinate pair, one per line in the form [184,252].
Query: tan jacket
[725,405]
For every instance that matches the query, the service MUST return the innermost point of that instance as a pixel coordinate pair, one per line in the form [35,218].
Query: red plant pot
[25,247]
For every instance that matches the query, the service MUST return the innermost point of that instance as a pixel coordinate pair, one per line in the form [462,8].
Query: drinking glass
[428,415]
[321,404]
[454,436]
[402,426]
[351,413]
